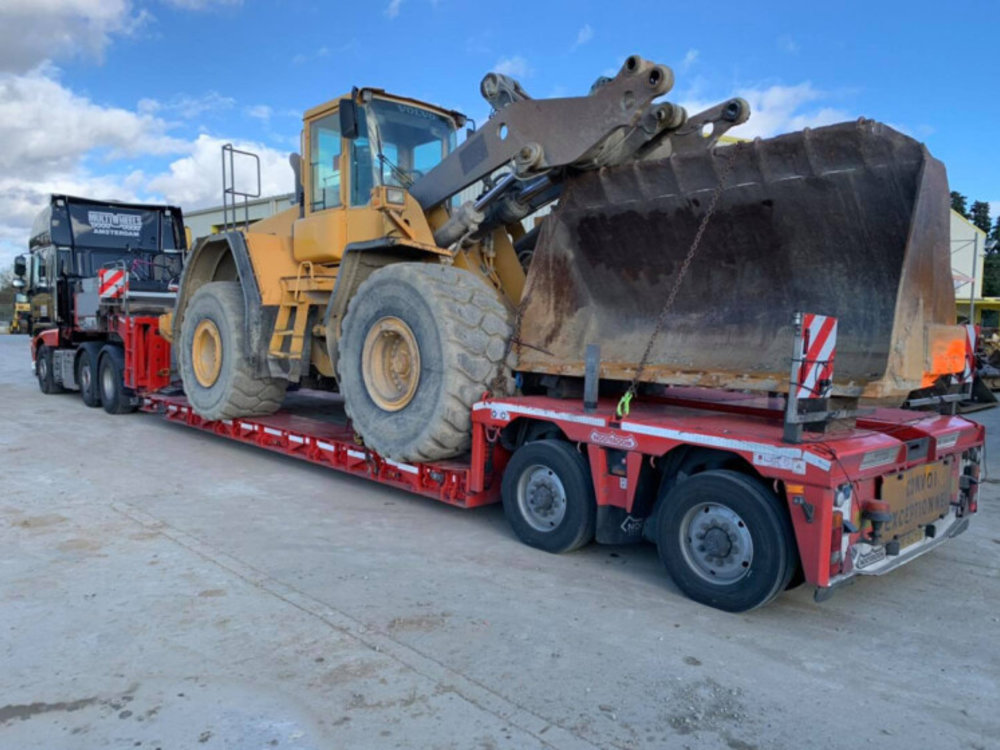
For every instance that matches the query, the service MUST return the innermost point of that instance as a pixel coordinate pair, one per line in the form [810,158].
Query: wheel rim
[391,364]
[43,368]
[206,353]
[541,498]
[86,382]
[716,543]
[108,382]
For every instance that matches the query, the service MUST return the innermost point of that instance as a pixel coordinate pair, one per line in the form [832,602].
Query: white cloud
[200,4]
[259,112]
[787,44]
[57,141]
[583,36]
[188,107]
[689,59]
[392,9]
[515,66]
[195,180]
[46,129]
[33,31]
[303,57]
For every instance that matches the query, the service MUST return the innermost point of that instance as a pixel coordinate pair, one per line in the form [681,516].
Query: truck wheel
[87,376]
[115,397]
[726,540]
[43,370]
[548,496]
[420,344]
[218,379]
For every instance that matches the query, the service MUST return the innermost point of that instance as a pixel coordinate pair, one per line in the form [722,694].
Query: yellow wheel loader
[381,285]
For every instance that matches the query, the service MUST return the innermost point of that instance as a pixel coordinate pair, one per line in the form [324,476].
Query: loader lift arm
[544,140]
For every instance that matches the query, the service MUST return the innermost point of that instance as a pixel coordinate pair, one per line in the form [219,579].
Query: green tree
[991,275]
[980,215]
[958,202]
[996,231]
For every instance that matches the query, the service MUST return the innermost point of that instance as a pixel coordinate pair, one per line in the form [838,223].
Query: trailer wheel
[87,376]
[115,397]
[43,370]
[726,540]
[548,496]
[219,380]
[420,344]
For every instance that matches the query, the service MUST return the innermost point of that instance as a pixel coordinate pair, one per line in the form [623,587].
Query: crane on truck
[93,269]
[616,373]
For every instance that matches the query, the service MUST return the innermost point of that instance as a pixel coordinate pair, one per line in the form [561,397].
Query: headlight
[395,196]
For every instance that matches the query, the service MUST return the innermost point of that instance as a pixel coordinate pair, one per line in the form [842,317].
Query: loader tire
[421,343]
[218,378]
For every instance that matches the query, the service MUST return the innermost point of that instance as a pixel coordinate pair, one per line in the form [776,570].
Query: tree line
[978,214]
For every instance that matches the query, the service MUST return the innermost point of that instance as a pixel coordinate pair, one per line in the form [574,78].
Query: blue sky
[140,94]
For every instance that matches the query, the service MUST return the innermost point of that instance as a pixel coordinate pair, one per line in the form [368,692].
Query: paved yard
[162,588]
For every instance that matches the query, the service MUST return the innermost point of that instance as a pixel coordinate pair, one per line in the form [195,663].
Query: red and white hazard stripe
[111,283]
[819,347]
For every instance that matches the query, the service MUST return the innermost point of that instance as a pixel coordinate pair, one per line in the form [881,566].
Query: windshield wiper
[405,178]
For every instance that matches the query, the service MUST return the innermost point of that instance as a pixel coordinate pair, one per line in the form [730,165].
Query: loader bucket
[849,220]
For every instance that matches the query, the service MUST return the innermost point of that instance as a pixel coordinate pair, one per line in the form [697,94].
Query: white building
[205,221]
[968,251]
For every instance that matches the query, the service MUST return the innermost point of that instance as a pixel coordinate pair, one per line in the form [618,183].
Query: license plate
[916,497]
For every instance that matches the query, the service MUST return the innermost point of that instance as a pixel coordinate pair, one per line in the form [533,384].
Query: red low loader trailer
[736,513]
[740,502]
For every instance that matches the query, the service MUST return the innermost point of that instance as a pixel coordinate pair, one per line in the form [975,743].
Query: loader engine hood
[849,220]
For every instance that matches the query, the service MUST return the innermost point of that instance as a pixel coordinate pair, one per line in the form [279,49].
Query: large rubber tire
[115,397]
[734,508]
[87,376]
[43,371]
[460,328]
[236,391]
[564,518]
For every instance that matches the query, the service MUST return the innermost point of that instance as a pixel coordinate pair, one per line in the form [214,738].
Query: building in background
[968,257]
[205,221]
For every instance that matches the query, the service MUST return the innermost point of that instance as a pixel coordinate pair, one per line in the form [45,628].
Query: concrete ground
[163,588]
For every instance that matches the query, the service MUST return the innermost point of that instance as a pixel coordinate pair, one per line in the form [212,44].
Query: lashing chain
[624,403]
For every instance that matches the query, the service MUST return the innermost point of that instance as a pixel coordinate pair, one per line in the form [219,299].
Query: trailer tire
[726,540]
[115,397]
[43,371]
[548,496]
[87,376]
[421,343]
[222,384]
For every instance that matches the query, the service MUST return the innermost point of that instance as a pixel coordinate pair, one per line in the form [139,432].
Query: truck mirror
[20,266]
[17,283]
[348,119]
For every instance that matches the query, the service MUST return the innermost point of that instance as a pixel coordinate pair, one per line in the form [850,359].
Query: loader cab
[355,147]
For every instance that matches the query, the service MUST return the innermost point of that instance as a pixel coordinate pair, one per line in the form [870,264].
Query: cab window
[324,162]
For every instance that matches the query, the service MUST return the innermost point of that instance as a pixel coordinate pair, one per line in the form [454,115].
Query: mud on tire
[460,328]
[235,391]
